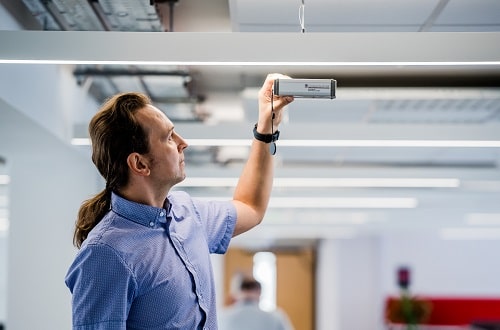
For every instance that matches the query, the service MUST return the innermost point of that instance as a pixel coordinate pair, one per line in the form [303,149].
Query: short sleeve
[103,288]
[219,220]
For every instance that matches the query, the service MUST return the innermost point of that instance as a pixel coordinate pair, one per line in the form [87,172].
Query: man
[144,251]
[245,313]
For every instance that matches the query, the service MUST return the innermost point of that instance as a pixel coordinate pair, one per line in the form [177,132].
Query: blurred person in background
[245,313]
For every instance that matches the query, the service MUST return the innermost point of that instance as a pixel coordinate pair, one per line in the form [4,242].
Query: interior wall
[47,94]
[48,181]
[348,284]
[3,276]
[328,300]
[442,267]
[355,276]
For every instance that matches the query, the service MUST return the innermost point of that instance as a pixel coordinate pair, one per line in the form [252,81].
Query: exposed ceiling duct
[174,87]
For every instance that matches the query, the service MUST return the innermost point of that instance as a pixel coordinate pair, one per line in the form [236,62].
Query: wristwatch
[266,138]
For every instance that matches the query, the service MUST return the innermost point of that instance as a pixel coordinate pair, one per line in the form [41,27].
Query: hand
[278,103]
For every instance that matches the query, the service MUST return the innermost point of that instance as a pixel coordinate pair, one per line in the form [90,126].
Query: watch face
[272,148]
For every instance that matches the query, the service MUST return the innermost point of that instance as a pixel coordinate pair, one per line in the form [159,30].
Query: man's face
[166,148]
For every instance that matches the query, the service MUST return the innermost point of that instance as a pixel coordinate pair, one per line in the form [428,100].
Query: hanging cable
[302,22]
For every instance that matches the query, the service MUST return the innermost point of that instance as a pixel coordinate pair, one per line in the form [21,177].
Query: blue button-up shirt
[144,267]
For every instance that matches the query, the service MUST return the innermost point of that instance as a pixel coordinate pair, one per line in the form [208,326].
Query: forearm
[256,180]
[253,190]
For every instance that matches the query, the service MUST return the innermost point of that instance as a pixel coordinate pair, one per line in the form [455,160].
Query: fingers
[268,101]
[268,83]
[267,88]
[281,101]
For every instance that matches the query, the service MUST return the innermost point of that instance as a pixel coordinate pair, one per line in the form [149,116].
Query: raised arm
[252,193]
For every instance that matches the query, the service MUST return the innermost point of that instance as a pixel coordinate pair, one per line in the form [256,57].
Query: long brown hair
[115,133]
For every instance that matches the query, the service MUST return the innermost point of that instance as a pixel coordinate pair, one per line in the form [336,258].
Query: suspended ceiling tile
[331,16]
[465,28]
[469,13]
[432,112]
[338,111]
[369,13]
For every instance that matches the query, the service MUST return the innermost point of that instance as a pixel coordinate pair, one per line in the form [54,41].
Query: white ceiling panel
[470,13]
[331,16]
[368,13]
[307,110]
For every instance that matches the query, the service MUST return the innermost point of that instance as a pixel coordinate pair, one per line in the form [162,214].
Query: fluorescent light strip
[4,179]
[250,63]
[336,203]
[341,203]
[470,233]
[336,143]
[331,182]
[4,224]
[353,143]
[483,219]
[268,229]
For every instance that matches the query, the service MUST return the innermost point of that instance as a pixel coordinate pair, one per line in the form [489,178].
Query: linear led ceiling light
[249,63]
[450,49]
[4,224]
[331,182]
[338,202]
[355,143]
[467,233]
[337,143]
[483,219]
[4,179]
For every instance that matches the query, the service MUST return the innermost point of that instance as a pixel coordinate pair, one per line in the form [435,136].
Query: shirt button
[161,213]
[151,224]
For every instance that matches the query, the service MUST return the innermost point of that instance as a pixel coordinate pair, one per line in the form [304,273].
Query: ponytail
[90,214]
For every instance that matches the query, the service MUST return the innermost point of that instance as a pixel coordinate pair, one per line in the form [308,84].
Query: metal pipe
[101,16]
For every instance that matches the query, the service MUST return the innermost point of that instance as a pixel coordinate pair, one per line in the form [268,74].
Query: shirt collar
[146,215]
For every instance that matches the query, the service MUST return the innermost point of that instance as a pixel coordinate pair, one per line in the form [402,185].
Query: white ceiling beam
[251,48]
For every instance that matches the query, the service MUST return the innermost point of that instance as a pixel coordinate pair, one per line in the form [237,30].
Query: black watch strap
[266,138]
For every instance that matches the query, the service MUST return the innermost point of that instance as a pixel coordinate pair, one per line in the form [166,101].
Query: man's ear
[138,164]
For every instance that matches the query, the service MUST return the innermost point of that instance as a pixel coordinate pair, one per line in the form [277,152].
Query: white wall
[442,267]
[47,94]
[48,181]
[355,276]
[3,276]
[328,299]
[348,283]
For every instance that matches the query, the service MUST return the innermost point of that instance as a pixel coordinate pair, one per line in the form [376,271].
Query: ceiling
[342,188]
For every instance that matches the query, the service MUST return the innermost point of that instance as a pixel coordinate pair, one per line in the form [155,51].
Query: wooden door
[295,270]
